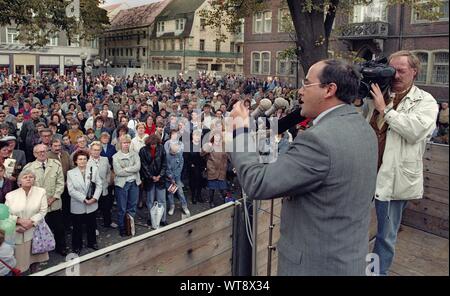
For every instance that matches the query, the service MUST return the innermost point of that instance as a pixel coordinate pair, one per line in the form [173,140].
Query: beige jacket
[410,126]
[32,206]
[52,181]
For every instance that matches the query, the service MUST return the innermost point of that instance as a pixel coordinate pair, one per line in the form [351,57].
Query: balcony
[366,30]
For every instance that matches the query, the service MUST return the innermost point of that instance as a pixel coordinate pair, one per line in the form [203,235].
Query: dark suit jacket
[110,151]
[329,173]
[19,156]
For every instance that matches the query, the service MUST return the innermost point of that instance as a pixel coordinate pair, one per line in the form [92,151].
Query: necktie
[43,166]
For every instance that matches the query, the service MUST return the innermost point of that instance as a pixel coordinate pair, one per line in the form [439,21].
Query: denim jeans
[127,198]
[179,193]
[160,194]
[389,217]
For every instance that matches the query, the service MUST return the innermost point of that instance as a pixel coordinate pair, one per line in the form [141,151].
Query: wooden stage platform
[419,253]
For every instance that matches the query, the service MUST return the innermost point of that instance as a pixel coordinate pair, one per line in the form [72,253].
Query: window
[53,40]
[75,42]
[137,52]
[443,11]
[440,68]
[256,63]
[266,63]
[143,52]
[94,43]
[179,24]
[262,22]
[126,51]
[261,63]
[375,11]
[283,15]
[217,45]
[109,51]
[202,45]
[164,44]
[172,44]
[423,57]
[160,27]
[12,35]
[181,41]
[202,24]
[282,65]
[232,44]
[121,52]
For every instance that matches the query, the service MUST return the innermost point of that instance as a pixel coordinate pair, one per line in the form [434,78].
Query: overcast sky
[131,3]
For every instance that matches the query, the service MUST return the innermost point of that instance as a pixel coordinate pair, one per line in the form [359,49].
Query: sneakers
[171,210]
[186,211]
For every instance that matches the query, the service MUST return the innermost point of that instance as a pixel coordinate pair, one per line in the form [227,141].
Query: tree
[37,20]
[312,19]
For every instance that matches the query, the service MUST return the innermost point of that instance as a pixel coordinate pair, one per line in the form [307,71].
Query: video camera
[376,71]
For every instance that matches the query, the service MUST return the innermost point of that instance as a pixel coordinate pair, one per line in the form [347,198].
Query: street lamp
[83,57]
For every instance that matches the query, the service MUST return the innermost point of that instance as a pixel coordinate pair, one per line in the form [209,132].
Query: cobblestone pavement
[109,236]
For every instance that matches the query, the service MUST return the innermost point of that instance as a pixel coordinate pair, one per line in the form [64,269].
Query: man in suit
[328,172]
[57,152]
[101,164]
[49,175]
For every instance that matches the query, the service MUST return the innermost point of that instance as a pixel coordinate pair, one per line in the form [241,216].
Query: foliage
[38,20]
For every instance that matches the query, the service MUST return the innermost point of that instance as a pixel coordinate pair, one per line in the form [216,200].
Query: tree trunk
[310,30]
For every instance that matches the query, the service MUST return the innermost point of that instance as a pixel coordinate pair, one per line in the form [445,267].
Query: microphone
[277,104]
[264,105]
[290,120]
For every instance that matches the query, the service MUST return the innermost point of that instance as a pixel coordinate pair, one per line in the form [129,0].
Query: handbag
[156,213]
[129,225]
[92,187]
[43,240]
[14,271]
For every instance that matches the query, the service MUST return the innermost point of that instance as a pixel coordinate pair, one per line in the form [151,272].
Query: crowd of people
[68,153]
[130,141]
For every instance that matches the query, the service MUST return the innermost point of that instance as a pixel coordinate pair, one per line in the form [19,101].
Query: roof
[139,16]
[179,8]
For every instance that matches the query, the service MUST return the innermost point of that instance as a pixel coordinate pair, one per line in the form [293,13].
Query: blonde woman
[126,166]
[27,206]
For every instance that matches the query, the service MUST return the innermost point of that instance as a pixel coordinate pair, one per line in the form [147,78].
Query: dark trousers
[55,222]
[67,220]
[196,184]
[77,234]
[105,204]
[211,195]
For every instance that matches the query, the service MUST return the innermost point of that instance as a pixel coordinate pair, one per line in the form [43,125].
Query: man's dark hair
[345,76]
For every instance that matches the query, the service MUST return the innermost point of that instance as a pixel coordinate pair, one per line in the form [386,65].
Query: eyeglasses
[305,85]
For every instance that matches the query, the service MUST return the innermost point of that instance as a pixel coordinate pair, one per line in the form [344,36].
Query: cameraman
[328,172]
[403,125]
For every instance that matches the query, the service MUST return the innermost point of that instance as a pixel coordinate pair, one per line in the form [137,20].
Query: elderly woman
[126,165]
[84,186]
[27,206]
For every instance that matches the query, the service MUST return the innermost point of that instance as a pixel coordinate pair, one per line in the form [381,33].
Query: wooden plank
[114,260]
[436,194]
[265,204]
[434,244]
[184,257]
[425,222]
[436,152]
[264,219]
[219,265]
[429,207]
[435,181]
[436,167]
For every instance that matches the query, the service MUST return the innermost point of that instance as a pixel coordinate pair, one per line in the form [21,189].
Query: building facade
[59,55]
[378,29]
[265,39]
[181,41]
[126,42]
